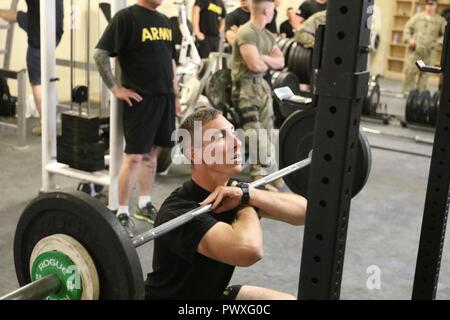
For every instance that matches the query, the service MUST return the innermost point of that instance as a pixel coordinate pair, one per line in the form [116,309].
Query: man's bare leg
[127,178]
[147,172]
[37,94]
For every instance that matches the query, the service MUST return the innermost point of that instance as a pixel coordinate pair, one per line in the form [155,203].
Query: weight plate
[372,100]
[409,112]
[287,48]
[54,262]
[78,277]
[425,106]
[164,160]
[96,228]
[296,141]
[279,118]
[218,89]
[436,100]
[418,105]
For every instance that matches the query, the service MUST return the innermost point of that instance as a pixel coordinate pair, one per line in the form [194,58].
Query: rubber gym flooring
[384,226]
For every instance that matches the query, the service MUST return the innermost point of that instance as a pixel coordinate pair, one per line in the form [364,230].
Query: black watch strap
[245,192]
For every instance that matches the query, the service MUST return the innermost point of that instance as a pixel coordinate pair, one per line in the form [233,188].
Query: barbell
[68,245]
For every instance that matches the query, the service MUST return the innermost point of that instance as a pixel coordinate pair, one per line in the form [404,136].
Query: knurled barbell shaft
[188,216]
[37,290]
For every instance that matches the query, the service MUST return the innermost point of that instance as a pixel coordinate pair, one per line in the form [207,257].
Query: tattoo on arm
[101,58]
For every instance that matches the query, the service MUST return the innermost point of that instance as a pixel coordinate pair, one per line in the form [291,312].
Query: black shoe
[148,213]
[127,223]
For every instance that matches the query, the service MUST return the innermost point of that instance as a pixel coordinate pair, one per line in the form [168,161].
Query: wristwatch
[245,192]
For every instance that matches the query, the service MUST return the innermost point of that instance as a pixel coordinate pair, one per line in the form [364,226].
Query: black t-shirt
[236,18]
[142,41]
[210,13]
[30,22]
[309,7]
[287,29]
[179,271]
[272,26]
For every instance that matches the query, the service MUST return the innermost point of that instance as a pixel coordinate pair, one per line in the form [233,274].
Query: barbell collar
[154,233]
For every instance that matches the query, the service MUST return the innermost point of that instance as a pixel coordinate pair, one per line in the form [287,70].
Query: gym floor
[384,225]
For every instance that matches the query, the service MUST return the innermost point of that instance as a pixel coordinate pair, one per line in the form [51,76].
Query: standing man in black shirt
[141,38]
[309,7]
[235,19]
[196,261]
[208,22]
[30,22]
[292,24]
[240,16]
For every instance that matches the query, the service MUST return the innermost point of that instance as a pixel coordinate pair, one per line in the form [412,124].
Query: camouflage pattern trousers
[253,100]
[414,79]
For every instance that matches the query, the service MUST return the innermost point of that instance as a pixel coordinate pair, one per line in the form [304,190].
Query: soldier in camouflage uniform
[307,32]
[254,53]
[422,32]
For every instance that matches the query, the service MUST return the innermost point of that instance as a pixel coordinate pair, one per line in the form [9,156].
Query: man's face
[244,4]
[269,12]
[291,14]
[221,149]
[431,7]
[154,3]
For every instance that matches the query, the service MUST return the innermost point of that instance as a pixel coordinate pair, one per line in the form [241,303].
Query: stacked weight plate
[80,144]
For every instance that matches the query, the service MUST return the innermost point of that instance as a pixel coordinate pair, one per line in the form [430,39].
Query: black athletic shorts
[230,292]
[148,123]
[34,65]
[205,47]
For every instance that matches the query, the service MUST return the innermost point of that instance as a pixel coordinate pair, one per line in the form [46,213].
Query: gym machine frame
[21,127]
[21,76]
[437,198]
[342,78]
[50,167]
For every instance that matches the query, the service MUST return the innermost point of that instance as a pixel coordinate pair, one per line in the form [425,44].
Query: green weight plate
[61,265]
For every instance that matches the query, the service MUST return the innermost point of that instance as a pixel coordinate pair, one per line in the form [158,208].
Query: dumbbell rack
[50,167]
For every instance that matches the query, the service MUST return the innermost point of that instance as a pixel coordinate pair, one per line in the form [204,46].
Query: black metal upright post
[341,81]
[436,204]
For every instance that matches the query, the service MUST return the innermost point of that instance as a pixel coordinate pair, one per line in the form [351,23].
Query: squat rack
[341,79]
